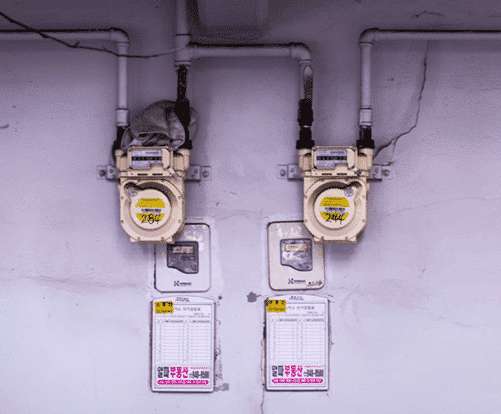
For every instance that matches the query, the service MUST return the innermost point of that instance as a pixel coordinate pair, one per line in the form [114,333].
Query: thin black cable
[77,44]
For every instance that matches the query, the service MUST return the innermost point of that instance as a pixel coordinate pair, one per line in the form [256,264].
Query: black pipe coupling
[182,105]
[305,113]
[118,141]
[305,119]
[365,138]
[305,140]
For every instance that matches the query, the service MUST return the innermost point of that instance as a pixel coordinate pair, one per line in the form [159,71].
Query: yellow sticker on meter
[150,210]
[164,307]
[275,305]
[334,208]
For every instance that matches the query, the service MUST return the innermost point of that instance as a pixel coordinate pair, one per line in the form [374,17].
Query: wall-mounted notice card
[182,344]
[297,350]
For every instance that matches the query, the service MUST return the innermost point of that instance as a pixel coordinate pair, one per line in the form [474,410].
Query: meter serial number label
[328,158]
[275,305]
[164,307]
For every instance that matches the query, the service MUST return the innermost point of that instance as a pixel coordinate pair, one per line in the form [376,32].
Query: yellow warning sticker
[164,307]
[334,208]
[275,305]
[150,210]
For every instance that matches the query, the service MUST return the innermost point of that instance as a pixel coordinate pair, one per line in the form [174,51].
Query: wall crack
[394,140]
[417,16]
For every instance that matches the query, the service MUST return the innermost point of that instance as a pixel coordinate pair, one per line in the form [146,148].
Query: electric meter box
[184,266]
[151,189]
[335,192]
[295,262]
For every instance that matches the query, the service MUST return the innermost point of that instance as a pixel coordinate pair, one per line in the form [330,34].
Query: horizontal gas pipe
[298,51]
[369,37]
[118,36]
[187,51]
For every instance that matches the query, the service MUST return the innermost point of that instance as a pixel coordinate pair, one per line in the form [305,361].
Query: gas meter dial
[151,188]
[335,192]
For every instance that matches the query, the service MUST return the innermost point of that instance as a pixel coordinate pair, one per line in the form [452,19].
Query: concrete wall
[414,305]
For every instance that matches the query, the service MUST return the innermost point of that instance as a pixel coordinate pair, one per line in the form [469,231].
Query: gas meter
[335,192]
[152,206]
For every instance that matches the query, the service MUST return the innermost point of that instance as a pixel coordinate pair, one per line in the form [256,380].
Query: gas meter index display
[329,157]
[145,158]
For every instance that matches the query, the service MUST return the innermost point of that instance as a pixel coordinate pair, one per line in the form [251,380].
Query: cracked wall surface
[414,306]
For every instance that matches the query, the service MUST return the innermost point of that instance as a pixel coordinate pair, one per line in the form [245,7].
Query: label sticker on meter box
[296,253]
[334,208]
[183,256]
[150,210]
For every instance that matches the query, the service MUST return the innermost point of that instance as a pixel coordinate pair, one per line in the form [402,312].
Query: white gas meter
[152,205]
[335,192]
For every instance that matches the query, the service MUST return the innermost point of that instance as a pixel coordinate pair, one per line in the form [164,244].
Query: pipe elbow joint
[301,52]
[119,35]
[368,36]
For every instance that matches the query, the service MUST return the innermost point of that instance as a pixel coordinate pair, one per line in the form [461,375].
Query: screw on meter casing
[183,256]
[296,253]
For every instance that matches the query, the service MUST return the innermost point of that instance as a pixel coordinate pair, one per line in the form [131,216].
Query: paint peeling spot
[4,126]
[224,387]
[252,297]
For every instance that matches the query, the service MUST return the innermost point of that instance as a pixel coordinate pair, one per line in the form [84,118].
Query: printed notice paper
[297,332]
[182,344]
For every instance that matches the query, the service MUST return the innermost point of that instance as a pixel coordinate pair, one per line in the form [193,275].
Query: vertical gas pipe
[305,112]
[365,118]
[183,62]
[122,109]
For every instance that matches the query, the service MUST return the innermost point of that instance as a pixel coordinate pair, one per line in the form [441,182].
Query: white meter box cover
[295,262]
[184,266]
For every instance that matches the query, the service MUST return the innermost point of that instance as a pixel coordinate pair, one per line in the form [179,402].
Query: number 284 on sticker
[275,305]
